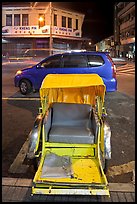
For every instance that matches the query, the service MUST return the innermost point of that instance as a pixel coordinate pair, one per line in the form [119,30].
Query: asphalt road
[19,112]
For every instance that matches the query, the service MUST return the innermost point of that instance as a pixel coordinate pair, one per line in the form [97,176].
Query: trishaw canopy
[71,88]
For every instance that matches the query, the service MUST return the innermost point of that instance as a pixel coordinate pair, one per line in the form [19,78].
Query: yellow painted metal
[64,191]
[85,158]
[85,171]
[86,167]
[52,144]
[102,139]
[71,151]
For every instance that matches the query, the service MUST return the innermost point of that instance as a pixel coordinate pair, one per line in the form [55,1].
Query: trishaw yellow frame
[85,89]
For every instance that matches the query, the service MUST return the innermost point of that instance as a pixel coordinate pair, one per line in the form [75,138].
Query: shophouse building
[124,29]
[39,25]
[122,42]
[106,45]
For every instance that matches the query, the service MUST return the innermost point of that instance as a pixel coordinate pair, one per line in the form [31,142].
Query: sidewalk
[19,190]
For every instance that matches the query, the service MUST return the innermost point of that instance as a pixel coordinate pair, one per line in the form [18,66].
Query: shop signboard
[36,30]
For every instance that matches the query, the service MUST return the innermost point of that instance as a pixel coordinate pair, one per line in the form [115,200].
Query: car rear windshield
[95,60]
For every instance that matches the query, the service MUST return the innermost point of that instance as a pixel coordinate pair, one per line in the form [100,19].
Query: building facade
[106,45]
[124,29]
[37,26]
[122,43]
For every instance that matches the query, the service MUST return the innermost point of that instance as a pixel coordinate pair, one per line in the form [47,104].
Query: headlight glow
[18,72]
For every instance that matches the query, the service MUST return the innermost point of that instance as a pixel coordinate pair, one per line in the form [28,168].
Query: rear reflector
[113,66]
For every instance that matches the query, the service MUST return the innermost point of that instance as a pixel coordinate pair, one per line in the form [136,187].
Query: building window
[9,20]
[41,20]
[63,21]
[55,20]
[16,19]
[69,22]
[25,20]
[76,24]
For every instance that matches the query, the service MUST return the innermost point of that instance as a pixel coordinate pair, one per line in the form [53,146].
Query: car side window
[52,62]
[74,61]
[95,60]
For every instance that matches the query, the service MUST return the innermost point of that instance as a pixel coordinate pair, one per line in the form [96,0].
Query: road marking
[29,62]
[124,70]
[18,99]
[125,73]
[17,166]
[122,169]
[3,63]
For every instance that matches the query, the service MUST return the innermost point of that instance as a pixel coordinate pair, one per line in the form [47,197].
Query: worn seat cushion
[71,123]
[74,134]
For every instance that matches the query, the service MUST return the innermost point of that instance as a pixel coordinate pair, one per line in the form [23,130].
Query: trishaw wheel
[106,166]
[35,164]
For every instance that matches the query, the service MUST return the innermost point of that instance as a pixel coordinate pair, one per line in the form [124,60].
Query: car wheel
[25,87]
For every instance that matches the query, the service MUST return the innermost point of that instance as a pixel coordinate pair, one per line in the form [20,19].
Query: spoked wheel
[35,164]
[106,166]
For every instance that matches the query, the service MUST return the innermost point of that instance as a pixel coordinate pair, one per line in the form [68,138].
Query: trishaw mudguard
[34,137]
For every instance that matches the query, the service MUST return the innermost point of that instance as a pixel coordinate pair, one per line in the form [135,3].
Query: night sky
[98,23]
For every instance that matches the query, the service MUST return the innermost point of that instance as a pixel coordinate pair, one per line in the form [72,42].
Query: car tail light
[114,70]
[113,66]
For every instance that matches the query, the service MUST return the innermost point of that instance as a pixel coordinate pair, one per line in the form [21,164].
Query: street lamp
[40,21]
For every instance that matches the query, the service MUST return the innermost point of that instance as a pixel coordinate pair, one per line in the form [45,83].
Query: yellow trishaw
[70,139]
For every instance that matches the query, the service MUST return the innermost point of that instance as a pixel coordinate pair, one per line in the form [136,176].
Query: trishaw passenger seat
[71,123]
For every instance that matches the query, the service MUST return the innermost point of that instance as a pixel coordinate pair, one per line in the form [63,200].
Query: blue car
[30,79]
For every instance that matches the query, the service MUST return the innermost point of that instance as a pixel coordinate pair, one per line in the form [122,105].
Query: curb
[21,182]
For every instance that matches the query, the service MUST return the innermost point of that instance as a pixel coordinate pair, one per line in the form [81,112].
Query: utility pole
[116,31]
[51,39]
